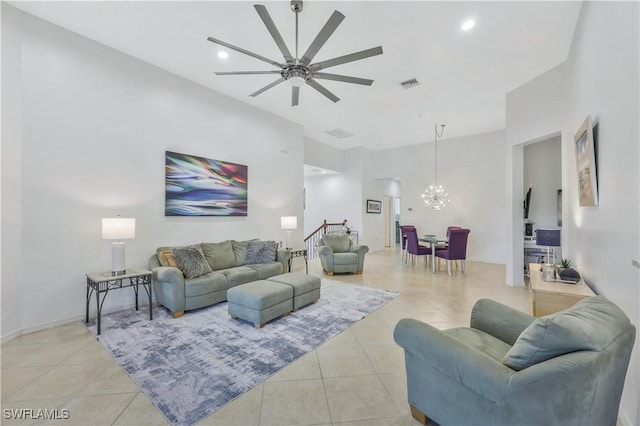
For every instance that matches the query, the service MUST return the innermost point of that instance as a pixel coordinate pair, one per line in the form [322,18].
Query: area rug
[191,366]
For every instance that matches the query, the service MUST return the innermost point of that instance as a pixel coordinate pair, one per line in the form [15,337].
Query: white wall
[602,80]
[472,171]
[95,127]
[335,197]
[534,113]
[543,172]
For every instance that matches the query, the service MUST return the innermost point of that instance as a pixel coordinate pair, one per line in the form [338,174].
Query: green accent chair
[338,254]
[509,368]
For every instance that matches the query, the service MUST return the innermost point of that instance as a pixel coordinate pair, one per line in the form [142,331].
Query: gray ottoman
[260,301]
[306,288]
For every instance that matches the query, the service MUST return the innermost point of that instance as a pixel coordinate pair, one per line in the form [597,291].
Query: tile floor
[355,378]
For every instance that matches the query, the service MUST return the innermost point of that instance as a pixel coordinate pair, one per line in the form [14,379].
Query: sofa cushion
[337,243]
[205,284]
[191,261]
[478,339]
[345,258]
[261,252]
[590,325]
[166,257]
[239,275]
[240,250]
[266,270]
[219,255]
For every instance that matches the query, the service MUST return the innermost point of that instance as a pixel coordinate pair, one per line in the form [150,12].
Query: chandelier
[435,197]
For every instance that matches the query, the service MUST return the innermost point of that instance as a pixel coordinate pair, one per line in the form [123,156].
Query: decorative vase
[569,274]
[548,272]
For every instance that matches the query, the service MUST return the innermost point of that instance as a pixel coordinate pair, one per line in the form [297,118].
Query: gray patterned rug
[191,366]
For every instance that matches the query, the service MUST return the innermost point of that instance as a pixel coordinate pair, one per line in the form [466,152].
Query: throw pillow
[167,258]
[261,252]
[191,261]
[590,325]
[240,250]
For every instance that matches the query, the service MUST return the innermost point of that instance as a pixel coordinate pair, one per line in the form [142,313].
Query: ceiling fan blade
[268,22]
[295,95]
[246,52]
[322,37]
[246,72]
[320,88]
[267,87]
[344,78]
[346,58]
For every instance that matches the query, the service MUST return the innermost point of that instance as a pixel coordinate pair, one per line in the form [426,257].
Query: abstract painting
[197,186]
[586,164]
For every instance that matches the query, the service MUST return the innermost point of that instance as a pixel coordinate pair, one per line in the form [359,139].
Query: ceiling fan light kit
[301,71]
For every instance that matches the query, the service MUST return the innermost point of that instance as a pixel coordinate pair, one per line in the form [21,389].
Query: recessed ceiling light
[468,24]
[223,55]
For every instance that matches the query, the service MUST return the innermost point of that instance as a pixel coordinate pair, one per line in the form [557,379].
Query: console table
[550,297]
[102,282]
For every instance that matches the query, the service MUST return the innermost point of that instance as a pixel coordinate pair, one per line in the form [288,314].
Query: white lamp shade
[289,222]
[118,228]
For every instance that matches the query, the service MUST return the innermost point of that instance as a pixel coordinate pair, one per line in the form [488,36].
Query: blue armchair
[509,368]
[339,254]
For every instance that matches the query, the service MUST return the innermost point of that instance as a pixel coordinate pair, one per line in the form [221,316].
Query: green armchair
[338,254]
[509,368]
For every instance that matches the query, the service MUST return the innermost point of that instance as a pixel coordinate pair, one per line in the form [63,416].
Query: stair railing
[311,242]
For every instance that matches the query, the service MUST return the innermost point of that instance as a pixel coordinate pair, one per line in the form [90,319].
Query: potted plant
[566,272]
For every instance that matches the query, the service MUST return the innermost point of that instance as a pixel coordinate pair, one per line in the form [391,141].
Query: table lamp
[549,238]
[118,229]
[288,223]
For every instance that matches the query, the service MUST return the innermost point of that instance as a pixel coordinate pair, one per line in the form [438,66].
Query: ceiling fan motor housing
[295,71]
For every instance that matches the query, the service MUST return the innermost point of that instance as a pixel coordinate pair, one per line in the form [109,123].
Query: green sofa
[183,286]
[509,368]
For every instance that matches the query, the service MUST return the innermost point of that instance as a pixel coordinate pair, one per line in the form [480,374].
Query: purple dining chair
[456,250]
[403,235]
[414,248]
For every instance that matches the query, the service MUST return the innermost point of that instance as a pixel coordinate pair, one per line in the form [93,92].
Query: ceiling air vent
[409,83]
[339,133]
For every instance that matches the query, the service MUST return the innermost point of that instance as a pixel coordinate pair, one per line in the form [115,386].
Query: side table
[102,282]
[299,253]
[551,297]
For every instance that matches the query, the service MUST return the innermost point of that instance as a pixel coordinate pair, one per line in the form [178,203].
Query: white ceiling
[464,76]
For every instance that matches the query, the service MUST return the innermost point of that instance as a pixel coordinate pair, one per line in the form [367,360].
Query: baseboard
[40,327]
[29,330]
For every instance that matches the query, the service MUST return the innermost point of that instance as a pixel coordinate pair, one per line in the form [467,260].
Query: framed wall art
[586,164]
[374,206]
[198,186]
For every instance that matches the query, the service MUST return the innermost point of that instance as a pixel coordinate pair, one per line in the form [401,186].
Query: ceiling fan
[299,71]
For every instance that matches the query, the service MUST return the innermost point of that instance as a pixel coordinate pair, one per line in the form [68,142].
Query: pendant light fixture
[435,197]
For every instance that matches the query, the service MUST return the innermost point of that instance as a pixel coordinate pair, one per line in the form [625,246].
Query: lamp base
[117,258]
[288,239]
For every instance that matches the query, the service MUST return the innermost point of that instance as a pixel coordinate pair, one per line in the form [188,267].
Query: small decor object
[197,186]
[347,230]
[289,223]
[586,164]
[566,273]
[374,206]
[118,229]
[548,272]
[435,197]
